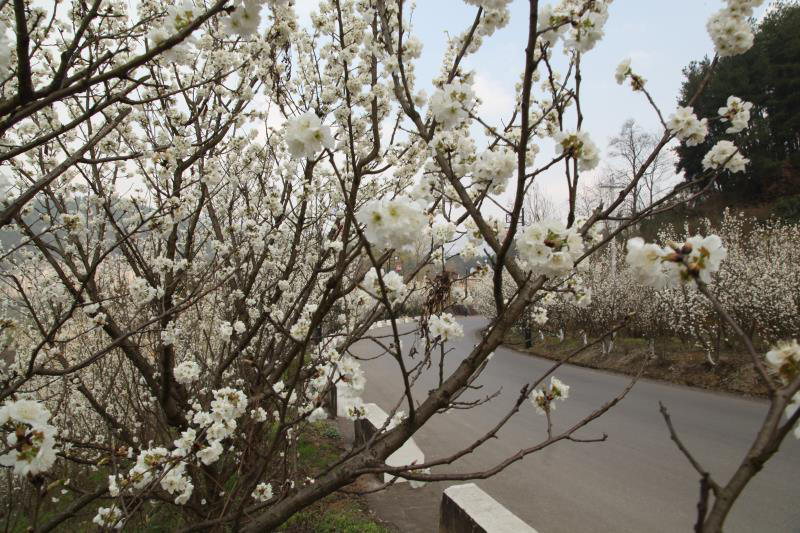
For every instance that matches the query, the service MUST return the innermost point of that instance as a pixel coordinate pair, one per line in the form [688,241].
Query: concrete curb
[468,509]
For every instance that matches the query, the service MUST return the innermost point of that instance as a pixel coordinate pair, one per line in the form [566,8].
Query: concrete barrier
[331,402]
[365,428]
[467,509]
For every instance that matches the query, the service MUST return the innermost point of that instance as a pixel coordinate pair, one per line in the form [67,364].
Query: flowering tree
[762,296]
[189,278]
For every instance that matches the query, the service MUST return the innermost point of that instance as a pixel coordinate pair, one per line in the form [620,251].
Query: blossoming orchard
[211,200]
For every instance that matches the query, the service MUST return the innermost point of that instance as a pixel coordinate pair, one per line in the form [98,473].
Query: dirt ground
[673,362]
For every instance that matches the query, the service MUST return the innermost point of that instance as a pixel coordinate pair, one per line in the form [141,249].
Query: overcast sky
[661,37]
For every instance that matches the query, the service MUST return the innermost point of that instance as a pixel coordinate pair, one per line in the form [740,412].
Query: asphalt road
[636,481]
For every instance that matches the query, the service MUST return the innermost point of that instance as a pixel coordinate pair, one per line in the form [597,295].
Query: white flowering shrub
[642,284]
[207,205]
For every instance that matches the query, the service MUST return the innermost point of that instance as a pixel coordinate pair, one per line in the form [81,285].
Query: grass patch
[319,445]
[335,514]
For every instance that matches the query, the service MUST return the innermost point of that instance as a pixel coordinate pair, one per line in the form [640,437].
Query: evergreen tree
[768,75]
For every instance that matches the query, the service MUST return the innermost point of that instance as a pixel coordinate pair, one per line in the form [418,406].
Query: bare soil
[672,361]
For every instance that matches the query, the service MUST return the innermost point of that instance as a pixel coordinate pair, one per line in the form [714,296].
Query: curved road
[636,481]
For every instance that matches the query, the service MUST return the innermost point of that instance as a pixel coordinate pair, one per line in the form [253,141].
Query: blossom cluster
[200,444]
[549,247]
[539,315]
[178,17]
[301,327]
[227,229]
[578,145]
[306,135]
[30,439]
[442,232]
[624,72]
[577,293]
[349,386]
[444,327]
[493,168]
[544,399]
[186,372]
[693,131]
[579,24]
[244,19]
[452,103]
[686,126]
[396,223]
[761,294]
[725,155]
[784,359]
[729,28]
[737,112]
[656,266]
[395,287]
[109,518]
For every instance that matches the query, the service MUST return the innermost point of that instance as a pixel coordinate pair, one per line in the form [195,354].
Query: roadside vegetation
[676,330]
[318,446]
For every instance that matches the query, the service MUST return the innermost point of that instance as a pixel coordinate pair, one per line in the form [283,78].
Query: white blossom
[737,112]
[647,262]
[452,103]
[544,399]
[108,517]
[306,135]
[685,125]
[784,359]
[549,248]
[697,258]
[210,454]
[396,223]
[258,414]
[580,25]
[226,329]
[730,32]
[725,155]
[392,281]
[539,315]
[623,71]
[262,492]
[244,19]
[30,439]
[578,145]
[186,372]
[445,327]
[492,169]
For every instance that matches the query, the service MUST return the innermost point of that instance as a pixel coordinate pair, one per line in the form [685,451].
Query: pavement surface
[636,481]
